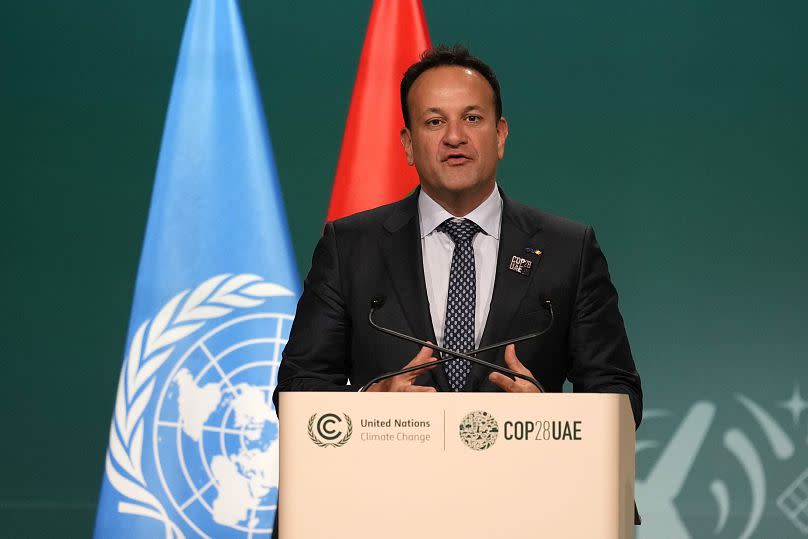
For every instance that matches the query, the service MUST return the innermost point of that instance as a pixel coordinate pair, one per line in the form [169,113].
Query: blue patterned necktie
[458,333]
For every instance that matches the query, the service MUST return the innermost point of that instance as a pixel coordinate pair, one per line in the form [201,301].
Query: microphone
[377,302]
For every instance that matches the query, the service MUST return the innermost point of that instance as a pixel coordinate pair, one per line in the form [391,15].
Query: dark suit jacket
[378,253]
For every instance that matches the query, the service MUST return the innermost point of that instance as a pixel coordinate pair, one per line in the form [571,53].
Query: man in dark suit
[458,263]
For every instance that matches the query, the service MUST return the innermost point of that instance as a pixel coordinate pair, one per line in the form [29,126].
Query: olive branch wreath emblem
[321,443]
[152,344]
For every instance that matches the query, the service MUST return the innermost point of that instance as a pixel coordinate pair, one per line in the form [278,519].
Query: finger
[512,386]
[419,389]
[513,362]
[502,381]
[424,355]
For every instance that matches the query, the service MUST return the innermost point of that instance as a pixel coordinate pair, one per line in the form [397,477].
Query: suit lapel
[401,249]
[510,287]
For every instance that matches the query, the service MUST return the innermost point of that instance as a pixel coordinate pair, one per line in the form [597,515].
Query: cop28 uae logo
[479,430]
[330,430]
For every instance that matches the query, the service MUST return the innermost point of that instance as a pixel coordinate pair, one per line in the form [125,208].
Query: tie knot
[460,230]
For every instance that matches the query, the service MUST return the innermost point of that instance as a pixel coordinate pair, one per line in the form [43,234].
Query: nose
[455,134]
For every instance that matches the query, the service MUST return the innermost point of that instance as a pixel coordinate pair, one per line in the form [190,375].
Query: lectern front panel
[445,465]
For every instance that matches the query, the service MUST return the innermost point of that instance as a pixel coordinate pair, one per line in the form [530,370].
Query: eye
[434,122]
[473,118]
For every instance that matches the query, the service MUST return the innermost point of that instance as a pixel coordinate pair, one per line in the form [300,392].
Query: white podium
[456,465]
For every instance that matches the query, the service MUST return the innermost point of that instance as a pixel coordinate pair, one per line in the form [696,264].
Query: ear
[502,134]
[406,142]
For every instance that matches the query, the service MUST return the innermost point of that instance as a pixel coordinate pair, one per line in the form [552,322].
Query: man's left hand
[511,385]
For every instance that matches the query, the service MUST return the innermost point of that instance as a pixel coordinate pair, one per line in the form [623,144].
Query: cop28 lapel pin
[523,266]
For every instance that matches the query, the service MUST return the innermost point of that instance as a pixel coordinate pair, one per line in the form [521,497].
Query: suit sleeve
[317,355]
[601,360]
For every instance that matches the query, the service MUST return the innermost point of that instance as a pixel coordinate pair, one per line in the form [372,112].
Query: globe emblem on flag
[215,434]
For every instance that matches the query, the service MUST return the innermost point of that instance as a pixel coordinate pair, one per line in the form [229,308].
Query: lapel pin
[533,251]
[520,265]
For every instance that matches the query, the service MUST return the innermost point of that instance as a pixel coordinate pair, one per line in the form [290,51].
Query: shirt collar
[488,215]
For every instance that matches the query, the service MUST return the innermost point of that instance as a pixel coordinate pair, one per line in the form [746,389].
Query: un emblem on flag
[218,426]
[213,446]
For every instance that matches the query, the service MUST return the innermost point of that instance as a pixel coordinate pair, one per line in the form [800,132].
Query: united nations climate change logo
[214,448]
[479,430]
[330,430]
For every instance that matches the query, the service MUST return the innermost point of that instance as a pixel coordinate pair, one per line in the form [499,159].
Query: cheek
[423,149]
[489,152]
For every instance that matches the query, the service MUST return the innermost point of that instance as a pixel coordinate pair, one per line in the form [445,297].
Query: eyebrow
[438,110]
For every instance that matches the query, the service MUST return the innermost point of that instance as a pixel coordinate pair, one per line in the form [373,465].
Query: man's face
[455,139]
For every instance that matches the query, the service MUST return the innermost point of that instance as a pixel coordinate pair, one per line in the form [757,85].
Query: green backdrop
[678,129]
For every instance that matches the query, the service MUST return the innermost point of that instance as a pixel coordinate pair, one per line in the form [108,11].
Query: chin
[467,185]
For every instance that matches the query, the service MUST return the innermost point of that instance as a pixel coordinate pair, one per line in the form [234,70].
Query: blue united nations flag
[193,445]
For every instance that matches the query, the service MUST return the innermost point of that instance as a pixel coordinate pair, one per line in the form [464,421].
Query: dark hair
[441,55]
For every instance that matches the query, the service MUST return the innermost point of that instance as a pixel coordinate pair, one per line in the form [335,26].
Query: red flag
[372,169]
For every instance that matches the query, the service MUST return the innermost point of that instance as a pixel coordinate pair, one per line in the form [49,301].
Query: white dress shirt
[437,249]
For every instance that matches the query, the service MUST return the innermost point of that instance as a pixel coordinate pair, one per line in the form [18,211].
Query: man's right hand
[406,382]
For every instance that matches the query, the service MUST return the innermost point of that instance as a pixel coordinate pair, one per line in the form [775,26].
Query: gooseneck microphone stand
[378,302]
